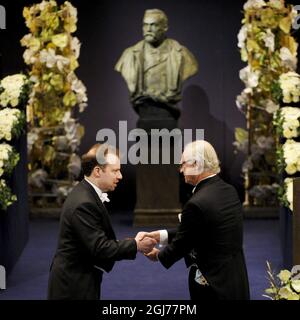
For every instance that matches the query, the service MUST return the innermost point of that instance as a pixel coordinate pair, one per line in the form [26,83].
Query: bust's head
[155,26]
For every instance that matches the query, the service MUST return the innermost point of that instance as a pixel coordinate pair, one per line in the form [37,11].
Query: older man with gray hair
[210,233]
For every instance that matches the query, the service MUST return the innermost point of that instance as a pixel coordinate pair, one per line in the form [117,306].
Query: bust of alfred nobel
[156,67]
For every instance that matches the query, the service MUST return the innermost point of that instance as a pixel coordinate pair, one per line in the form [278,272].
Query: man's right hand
[145,244]
[154,235]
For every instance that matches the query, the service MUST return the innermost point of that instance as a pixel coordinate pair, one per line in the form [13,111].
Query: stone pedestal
[158,202]
[157,196]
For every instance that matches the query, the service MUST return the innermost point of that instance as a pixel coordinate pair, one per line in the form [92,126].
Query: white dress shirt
[103,197]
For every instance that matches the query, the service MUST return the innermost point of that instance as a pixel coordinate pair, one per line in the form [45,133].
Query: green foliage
[6,196]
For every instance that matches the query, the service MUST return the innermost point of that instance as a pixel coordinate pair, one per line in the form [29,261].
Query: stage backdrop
[105,28]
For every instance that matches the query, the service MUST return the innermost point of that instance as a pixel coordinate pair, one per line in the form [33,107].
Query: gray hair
[203,153]
[163,16]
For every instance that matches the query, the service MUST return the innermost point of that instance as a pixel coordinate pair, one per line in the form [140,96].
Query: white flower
[29,56]
[242,36]
[249,77]
[278,4]
[75,46]
[43,5]
[82,106]
[78,87]
[284,276]
[291,154]
[61,143]
[288,59]
[72,10]
[290,85]
[254,4]
[12,86]
[271,107]
[269,39]
[48,57]
[62,62]
[32,137]
[67,117]
[296,285]
[74,166]
[8,119]
[5,150]
[265,143]
[290,121]
[38,178]
[287,293]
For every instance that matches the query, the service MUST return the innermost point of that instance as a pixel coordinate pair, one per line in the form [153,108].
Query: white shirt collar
[102,195]
[212,175]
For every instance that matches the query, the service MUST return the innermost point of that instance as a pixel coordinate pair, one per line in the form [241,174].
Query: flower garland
[54,134]
[13,93]
[266,44]
[52,53]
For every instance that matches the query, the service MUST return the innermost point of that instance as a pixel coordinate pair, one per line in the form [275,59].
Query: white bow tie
[179,216]
[104,197]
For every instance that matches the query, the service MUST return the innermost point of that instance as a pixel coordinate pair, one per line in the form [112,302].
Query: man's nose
[120,176]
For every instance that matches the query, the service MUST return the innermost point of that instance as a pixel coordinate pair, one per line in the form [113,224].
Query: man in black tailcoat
[87,245]
[210,233]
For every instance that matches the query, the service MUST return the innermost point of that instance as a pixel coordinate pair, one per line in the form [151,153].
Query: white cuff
[163,235]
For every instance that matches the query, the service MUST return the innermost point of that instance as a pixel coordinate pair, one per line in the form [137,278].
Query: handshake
[146,242]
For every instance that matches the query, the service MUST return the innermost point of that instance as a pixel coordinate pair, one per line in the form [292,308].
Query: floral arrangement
[290,86]
[13,90]
[270,79]
[291,155]
[286,121]
[285,193]
[57,95]
[284,286]
[12,123]
[8,159]
[6,197]
[13,94]
[52,53]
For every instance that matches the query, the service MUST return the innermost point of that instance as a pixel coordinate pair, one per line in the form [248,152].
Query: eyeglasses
[187,163]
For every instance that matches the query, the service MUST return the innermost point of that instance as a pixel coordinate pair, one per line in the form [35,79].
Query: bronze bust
[155,68]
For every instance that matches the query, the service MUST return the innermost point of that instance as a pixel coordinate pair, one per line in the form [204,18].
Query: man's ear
[97,172]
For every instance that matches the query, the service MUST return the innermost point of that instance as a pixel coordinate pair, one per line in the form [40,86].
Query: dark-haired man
[87,244]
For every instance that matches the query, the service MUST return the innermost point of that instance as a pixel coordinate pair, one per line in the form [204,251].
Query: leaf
[285,25]
[252,45]
[49,154]
[241,135]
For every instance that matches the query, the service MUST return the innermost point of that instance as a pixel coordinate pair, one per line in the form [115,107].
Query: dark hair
[96,156]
